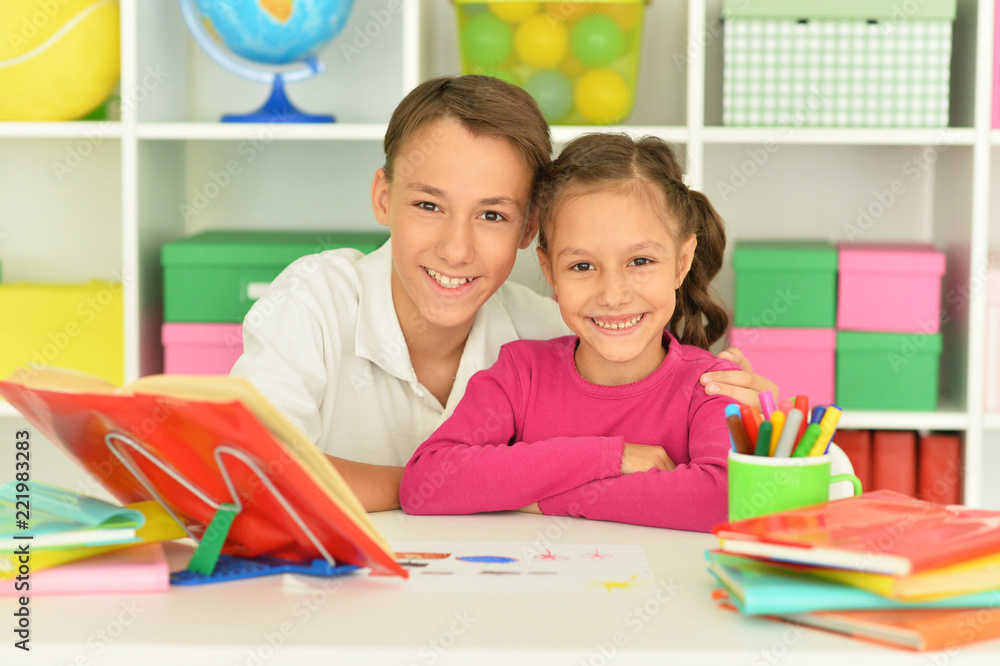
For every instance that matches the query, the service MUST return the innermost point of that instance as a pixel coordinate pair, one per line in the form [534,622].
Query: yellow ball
[513,12]
[59,59]
[603,97]
[541,41]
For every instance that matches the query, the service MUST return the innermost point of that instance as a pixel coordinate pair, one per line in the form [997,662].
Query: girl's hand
[742,385]
[642,458]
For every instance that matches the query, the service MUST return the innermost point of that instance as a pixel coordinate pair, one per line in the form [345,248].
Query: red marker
[802,403]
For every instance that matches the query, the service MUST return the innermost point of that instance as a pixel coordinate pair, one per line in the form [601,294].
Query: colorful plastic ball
[603,97]
[569,11]
[514,12]
[58,60]
[628,16]
[597,40]
[486,40]
[541,41]
[553,92]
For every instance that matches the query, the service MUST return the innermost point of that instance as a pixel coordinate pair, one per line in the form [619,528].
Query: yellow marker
[777,425]
[823,441]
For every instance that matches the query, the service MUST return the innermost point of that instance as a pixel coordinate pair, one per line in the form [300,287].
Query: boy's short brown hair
[486,106]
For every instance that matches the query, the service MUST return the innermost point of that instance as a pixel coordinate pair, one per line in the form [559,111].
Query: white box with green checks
[891,70]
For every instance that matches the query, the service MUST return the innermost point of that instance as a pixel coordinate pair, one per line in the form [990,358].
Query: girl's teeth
[618,326]
[447,282]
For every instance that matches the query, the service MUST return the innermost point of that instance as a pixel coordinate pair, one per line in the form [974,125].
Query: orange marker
[751,421]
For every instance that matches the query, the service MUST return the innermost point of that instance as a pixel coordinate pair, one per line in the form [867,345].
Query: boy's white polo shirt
[325,346]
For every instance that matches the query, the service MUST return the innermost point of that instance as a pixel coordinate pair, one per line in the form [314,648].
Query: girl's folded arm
[473,463]
[693,496]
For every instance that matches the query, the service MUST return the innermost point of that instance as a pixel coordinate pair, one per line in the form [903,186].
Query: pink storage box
[201,349]
[889,288]
[801,361]
[996,66]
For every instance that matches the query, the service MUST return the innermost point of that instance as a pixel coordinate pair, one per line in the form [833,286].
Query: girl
[610,423]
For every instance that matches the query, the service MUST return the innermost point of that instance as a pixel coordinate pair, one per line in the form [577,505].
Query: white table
[362,620]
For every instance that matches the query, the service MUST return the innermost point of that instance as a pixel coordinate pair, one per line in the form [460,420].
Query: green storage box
[837,63]
[785,284]
[888,371]
[215,276]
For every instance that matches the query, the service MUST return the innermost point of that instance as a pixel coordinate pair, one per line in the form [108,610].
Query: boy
[369,354]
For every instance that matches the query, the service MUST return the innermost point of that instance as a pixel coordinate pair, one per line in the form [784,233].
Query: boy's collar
[378,336]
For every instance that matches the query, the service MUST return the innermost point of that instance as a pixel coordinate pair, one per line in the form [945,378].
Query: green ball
[597,39]
[486,40]
[553,92]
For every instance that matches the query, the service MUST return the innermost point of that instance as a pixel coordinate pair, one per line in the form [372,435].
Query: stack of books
[881,566]
[56,541]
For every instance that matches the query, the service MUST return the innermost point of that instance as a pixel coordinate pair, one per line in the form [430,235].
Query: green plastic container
[785,284]
[215,276]
[888,371]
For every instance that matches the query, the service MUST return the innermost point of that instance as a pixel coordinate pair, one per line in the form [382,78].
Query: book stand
[207,565]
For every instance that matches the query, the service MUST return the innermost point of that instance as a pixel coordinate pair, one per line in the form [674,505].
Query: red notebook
[915,629]
[198,442]
[879,532]
[894,461]
[939,473]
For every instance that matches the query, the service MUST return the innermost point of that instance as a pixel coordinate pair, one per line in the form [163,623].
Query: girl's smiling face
[614,265]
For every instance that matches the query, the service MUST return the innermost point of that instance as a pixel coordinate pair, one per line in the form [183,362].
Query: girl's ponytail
[699,319]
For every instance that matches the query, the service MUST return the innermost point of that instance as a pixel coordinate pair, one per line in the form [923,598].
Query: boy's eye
[582,266]
[428,206]
[640,261]
[493,216]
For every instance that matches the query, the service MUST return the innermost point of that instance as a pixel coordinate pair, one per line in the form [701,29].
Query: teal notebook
[756,589]
[55,517]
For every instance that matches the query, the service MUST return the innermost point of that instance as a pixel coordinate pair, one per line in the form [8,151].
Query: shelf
[948,417]
[262,131]
[991,421]
[111,129]
[862,136]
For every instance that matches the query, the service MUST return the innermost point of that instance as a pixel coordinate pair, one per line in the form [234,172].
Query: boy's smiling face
[456,210]
[614,266]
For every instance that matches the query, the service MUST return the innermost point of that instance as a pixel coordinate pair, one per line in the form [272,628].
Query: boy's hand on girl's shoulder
[741,385]
[643,457]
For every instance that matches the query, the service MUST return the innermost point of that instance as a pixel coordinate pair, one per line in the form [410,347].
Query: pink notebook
[139,568]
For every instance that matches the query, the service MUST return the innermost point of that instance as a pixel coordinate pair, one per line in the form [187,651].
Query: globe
[268,33]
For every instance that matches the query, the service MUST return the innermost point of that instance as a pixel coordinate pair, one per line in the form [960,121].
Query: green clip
[207,554]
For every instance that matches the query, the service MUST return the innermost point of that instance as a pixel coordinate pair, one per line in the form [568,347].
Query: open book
[194,443]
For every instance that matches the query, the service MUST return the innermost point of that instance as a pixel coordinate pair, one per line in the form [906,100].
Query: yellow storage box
[75,326]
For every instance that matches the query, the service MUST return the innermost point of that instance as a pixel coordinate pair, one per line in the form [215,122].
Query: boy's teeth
[617,326]
[447,282]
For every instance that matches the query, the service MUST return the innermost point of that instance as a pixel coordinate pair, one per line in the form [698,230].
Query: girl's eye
[492,216]
[428,206]
[582,266]
[640,261]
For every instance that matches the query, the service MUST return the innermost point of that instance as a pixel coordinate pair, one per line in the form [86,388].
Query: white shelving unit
[159,173]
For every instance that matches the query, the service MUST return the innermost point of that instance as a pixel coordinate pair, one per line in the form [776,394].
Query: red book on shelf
[880,532]
[939,471]
[857,445]
[894,461]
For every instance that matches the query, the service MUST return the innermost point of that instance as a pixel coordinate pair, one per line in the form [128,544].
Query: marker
[789,433]
[823,441]
[806,443]
[802,404]
[828,426]
[766,404]
[750,422]
[785,405]
[763,439]
[777,423]
[738,436]
[817,414]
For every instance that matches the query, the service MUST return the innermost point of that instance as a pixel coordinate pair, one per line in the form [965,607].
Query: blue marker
[817,414]
[733,410]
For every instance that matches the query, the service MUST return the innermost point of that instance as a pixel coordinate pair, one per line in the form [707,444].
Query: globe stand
[278,109]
